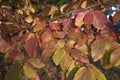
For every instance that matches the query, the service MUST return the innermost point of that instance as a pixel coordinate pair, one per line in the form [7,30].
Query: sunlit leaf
[29,72]
[15,72]
[29,19]
[37,63]
[90,73]
[58,56]
[84,4]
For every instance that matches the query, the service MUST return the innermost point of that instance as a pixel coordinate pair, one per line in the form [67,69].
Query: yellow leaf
[29,19]
[58,56]
[84,4]
[29,72]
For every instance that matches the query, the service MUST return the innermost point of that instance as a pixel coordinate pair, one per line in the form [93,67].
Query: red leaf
[97,18]
[54,26]
[79,18]
[31,46]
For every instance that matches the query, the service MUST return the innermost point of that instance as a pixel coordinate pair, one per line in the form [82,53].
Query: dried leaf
[54,26]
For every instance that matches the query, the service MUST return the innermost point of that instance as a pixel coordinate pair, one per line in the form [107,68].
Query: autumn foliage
[77,39]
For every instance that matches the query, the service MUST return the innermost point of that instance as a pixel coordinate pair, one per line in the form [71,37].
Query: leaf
[79,56]
[97,18]
[115,58]
[89,73]
[4,46]
[60,44]
[31,47]
[98,48]
[37,63]
[46,36]
[58,56]
[66,62]
[58,34]
[39,26]
[84,4]
[70,44]
[29,19]
[29,72]
[54,26]
[116,17]
[72,71]
[79,18]
[15,72]
[11,54]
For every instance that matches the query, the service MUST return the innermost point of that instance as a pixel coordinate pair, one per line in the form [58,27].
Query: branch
[71,12]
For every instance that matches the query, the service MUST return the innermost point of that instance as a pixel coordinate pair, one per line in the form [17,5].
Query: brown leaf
[116,17]
[98,48]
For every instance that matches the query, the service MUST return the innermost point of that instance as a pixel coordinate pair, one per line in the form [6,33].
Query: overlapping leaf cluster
[29,41]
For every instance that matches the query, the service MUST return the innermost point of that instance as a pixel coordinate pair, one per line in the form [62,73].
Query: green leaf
[29,72]
[89,73]
[58,56]
[36,63]
[15,72]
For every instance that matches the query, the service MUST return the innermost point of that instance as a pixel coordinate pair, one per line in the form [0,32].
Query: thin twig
[68,13]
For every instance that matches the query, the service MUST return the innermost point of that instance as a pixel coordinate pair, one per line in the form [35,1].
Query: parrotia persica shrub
[77,38]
